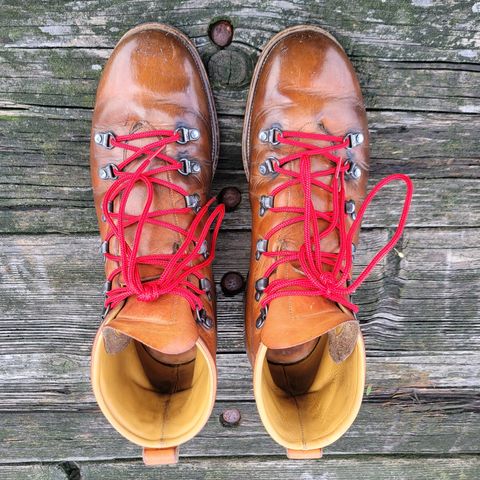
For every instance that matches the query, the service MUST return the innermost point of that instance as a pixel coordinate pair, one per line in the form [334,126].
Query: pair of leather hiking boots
[154,151]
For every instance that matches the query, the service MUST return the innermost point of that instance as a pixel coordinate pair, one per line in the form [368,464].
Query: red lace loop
[178,266]
[326,274]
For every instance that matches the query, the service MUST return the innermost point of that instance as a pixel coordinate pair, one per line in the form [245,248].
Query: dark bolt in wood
[230,197]
[232,283]
[221,33]
[230,418]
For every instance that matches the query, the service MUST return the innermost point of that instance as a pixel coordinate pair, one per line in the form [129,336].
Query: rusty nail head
[221,33]
[232,283]
[230,197]
[230,417]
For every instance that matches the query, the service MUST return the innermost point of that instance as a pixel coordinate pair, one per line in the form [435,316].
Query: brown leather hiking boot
[153,154]
[305,149]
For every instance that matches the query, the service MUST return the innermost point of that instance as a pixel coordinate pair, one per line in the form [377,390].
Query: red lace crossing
[178,266]
[326,274]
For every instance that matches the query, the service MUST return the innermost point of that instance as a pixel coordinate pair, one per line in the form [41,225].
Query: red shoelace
[333,282]
[178,267]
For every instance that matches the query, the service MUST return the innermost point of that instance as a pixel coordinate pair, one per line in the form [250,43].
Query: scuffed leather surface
[305,83]
[153,80]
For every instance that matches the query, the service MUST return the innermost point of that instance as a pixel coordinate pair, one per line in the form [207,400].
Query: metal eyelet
[203,319]
[354,171]
[104,139]
[206,286]
[187,135]
[262,247]
[105,311]
[104,247]
[193,202]
[107,172]
[266,202]
[270,135]
[350,209]
[268,167]
[262,317]
[260,285]
[348,282]
[109,210]
[188,167]
[204,250]
[107,286]
[354,139]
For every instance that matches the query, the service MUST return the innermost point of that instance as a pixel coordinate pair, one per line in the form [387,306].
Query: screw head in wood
[221,33]
[230,197]
[232,283]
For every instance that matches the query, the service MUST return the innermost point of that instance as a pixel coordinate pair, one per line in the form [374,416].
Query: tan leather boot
[305,149]
[154,149]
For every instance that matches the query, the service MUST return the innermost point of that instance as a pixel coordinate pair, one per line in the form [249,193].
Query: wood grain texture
[61,381]
[381,428]
[423,387]
[329,468]
[416,30]
[418,65]
[64,206]
[50,291]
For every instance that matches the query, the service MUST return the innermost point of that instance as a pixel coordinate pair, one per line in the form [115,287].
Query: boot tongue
[166,324]
[292,321]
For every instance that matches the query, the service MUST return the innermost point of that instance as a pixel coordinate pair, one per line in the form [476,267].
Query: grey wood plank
[51,57]
[381,428]
[423,396]
[68,77]
[49,146]
[35,208]
[413,31]
[328,468]
[60,382]
[419,309]
[50,291]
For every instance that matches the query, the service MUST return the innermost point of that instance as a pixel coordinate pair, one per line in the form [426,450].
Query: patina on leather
[303,82]
[155,80]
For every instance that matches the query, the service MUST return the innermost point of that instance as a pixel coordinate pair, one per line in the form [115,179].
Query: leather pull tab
[304,454]
[160,456]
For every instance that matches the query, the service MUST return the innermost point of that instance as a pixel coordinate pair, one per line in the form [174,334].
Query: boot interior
[166,375]
[311,403]
[151,403]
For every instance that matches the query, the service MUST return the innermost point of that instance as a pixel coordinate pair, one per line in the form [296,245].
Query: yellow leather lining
[324,413]
[138,411]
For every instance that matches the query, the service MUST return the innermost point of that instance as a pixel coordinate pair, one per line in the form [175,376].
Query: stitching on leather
[257,75]
[211,109]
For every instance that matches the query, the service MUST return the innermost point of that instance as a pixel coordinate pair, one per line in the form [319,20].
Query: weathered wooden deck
[418,63]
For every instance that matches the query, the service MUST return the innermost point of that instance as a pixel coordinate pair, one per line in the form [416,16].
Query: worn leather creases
[154,80]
